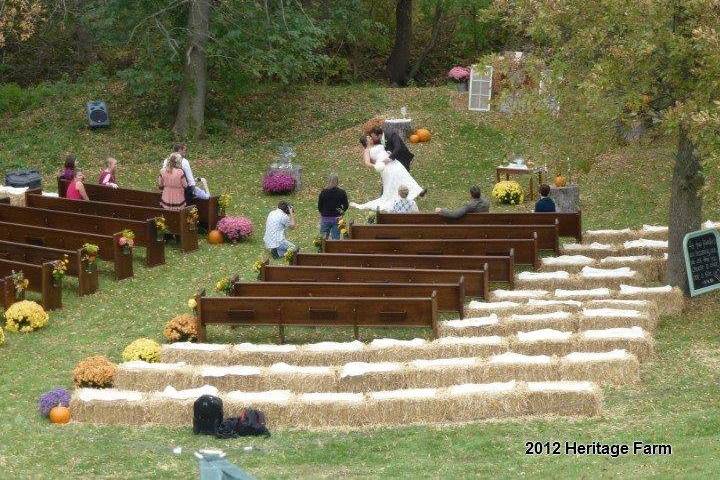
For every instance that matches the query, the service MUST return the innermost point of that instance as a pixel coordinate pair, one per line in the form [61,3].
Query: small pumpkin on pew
[59,415]
[215,237]
[560,181]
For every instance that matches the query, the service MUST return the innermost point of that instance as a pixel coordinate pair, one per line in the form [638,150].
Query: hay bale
[644,246]
[196,353]
[568,263]
[669,300]
[594,250]
[634,339]
[610,236]
[542,342]
[654,232]
[555,398]
[616,367]
[582,295]
[646,306]
[517,295]
[647,266]
[603,318]
[143,376]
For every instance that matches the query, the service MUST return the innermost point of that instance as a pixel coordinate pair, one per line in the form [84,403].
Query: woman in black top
[332,204]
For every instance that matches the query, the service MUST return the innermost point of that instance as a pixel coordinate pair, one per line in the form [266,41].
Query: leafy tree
[656,56]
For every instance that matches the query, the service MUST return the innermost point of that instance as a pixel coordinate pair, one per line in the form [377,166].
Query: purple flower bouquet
[235,229]
[278,183]
[54,398]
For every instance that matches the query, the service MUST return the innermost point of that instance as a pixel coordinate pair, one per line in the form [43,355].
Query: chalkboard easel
[702,261]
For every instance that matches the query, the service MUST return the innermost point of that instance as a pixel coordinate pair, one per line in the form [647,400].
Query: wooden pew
[450,296]
[501,268]
[176,220]
[40,280]
[476,281]
[353,312]
[569,224]
[526,252]
[109,251]
[547,235]
[208,210]
[145,230]
[78,267]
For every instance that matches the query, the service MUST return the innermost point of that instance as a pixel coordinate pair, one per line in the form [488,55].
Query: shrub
[278,183]
[25,316]
[508,193]
[54,398]
[182,328]
[142,349]
[94,372]
[235,229]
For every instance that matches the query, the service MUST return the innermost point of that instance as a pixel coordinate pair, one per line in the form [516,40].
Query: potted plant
[127,241]
[460,75]
[89,256]
[60,269]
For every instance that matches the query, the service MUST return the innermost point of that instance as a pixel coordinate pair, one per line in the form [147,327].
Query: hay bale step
[579,281]
[317,411]
[506,309]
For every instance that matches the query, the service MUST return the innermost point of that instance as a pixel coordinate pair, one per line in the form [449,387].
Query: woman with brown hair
[172,182]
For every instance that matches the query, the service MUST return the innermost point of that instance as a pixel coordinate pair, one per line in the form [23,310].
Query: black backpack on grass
[207,414]
[251,422]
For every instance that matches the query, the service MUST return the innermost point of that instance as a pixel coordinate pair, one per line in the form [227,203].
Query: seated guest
[403,205]
[278,222]
[545,204]
[76,189]
[332,204]
[68,172]
[107,174]
[477,204]
[172,183]
[192,190]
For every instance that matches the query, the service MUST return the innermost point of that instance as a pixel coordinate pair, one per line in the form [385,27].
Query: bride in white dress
[393,175]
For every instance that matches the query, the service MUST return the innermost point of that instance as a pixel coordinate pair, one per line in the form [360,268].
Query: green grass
[676,403]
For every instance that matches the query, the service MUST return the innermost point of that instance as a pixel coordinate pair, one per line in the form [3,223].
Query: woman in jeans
[332,204]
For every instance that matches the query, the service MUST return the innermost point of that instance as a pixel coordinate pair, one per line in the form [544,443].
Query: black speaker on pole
[97,114]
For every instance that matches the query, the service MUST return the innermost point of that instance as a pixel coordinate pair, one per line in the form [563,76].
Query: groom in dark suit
[395,145]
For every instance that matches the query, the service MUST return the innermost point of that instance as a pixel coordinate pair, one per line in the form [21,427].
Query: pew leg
[281,333]
[356,332]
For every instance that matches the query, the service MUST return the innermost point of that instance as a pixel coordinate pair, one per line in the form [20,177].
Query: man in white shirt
[192,188]
[278,221]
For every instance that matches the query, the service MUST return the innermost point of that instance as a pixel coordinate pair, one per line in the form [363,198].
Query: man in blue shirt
[545,204]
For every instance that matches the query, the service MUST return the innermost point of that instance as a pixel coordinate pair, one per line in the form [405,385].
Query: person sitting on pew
[278,222]
[68,172]
[172,183]
[332,204]
[477,204]
[403,205]
[192,190]
[107,174]
[545,204]
[76,188]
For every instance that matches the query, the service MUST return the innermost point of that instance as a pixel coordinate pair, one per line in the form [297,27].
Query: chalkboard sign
[702,259]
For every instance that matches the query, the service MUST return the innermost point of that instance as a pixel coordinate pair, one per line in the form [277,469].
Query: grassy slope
[676,403]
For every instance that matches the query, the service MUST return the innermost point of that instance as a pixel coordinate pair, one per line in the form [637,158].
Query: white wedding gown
[393,175]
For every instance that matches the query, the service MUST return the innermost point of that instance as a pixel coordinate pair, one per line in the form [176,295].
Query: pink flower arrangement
[278,183]
[235,229]
[122,241]
[459,74]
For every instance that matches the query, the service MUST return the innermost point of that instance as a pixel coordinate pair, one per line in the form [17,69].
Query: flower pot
[126,250]
[462,86]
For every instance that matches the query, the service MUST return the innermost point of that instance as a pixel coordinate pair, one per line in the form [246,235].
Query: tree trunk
[437,21]
[685,207]
[400,56]
[191,107]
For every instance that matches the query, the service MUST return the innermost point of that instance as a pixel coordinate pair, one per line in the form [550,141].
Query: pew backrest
[40,280]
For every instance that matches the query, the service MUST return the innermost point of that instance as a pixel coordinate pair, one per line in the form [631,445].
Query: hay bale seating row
[508,308]
[588,277]
[318,410]
[643,246]
[587,319]
[612,368]
[648,267]
[541,342]
[650,232]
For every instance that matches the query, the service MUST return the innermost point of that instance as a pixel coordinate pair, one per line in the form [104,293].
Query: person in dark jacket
[395,145]
[477,204]
[332,204]
[545,204]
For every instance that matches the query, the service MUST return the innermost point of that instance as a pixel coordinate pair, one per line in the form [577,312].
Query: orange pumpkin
[60,415]
[414,138]
[423,134]
[560,181]
[215,237]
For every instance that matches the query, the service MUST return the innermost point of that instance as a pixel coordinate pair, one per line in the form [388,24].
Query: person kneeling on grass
[278,222]
[403,205]
[545,204]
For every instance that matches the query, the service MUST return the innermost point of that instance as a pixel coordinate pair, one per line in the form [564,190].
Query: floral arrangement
[278,183]
[89,256]
[60,268]
[508,192]
[459,74]
[161,227]
[235,229]
[224,285]
[182,328]
[223,203]
[25,316]
[57,397]
[192,217]
[127,241]
[192,303]
[318,243]
[94,372]
[258,266]
[342,226]
[290,255]
[142,349]
[21,283]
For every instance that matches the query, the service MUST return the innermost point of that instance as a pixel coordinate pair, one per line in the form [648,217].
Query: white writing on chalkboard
[704,261]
